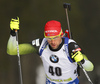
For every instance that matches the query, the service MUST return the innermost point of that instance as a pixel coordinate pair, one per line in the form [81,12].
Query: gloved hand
[78,56]
[14,24]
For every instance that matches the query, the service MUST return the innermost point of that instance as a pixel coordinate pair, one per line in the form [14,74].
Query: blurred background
[84,20]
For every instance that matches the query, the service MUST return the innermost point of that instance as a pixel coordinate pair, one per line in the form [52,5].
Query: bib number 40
[55,71]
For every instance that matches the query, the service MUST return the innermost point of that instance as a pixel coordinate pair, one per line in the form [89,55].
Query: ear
[62,36]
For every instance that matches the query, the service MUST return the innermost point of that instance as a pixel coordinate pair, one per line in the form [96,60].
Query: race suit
[58,65]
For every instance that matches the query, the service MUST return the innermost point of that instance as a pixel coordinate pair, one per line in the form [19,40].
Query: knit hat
[52,29]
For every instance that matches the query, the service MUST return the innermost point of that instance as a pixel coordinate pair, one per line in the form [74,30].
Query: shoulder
[71,41]
[38,42]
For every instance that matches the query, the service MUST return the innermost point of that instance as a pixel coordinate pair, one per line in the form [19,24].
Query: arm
[24,48]
[77,55]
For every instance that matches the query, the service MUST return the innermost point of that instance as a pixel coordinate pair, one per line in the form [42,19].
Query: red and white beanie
[52,28]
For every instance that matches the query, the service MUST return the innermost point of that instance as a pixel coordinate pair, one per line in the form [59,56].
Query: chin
[54,47]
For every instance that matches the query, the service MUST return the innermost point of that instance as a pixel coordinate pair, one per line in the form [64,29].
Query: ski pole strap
[42,48]
[66,48]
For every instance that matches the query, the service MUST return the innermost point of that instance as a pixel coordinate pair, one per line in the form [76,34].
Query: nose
[52,41]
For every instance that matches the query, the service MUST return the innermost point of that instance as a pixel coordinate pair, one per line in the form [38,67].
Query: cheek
[50,42]
[58,41]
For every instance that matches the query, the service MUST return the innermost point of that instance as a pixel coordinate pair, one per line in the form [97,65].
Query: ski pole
[85,73]
[67,5]
[19,62]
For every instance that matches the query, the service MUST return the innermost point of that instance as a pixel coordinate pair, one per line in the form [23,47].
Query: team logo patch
[54,58]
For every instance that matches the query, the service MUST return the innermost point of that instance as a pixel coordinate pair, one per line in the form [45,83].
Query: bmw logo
[54,58]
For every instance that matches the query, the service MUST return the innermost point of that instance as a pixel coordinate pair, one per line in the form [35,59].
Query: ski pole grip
[67,5]
[15,30]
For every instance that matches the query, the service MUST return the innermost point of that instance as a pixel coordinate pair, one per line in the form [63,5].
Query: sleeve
[73,47]
[88,65]
[24,48]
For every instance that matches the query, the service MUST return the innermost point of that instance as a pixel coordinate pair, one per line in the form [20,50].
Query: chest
[55,57]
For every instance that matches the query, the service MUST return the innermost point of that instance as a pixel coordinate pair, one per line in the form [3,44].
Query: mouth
[53,45]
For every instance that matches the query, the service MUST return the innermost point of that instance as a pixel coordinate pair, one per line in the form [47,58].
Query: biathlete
[60,55]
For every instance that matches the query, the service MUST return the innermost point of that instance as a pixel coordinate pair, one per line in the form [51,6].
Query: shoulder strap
[66,39]
[43,46]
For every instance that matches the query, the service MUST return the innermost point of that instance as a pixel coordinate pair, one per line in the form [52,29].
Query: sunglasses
[53,38]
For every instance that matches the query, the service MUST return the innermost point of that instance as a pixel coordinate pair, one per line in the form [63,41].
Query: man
[60,55]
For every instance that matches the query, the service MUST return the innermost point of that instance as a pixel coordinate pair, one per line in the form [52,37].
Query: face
[55,42]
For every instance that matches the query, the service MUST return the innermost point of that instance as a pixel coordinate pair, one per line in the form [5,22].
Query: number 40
[55,70]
